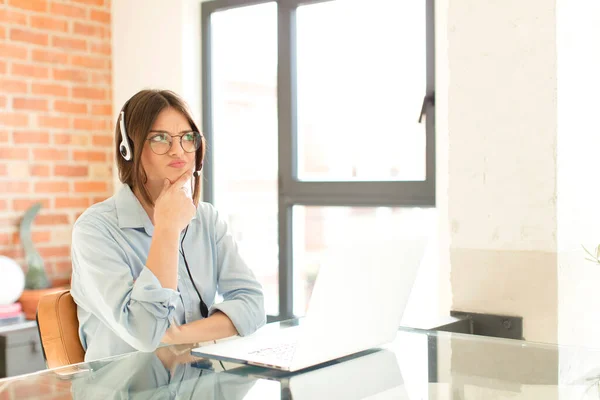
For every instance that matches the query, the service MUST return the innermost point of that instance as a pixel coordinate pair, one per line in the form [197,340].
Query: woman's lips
[177,164]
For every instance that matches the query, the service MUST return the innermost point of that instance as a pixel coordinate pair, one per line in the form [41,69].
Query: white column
[501,160]
[156,45]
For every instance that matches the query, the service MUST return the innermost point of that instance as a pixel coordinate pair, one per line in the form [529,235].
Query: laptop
[357,303]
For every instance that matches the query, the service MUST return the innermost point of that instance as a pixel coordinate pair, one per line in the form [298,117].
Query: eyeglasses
[161,142]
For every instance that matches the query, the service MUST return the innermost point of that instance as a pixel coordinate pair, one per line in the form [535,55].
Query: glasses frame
[172,140]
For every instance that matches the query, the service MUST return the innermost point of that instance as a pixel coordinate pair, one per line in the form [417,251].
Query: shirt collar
[130,212]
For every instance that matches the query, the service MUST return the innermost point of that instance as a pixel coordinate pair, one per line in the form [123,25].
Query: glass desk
[416,365]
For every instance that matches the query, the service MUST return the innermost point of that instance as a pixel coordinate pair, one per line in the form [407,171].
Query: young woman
[148,262]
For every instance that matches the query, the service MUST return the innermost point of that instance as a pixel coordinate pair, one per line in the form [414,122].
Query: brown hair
[140,112]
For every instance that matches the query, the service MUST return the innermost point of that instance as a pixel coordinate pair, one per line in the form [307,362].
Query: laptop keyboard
[282,351]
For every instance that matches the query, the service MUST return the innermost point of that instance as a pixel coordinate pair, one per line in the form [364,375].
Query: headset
[127,154]
[124,147]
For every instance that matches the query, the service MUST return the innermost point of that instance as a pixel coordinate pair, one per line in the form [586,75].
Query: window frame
[292,191]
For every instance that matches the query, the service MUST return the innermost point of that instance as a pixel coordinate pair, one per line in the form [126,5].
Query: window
[318,115]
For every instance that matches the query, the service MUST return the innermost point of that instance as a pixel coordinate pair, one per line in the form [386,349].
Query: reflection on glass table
[418,364]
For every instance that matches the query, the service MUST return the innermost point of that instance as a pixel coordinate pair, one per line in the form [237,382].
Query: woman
[148,262]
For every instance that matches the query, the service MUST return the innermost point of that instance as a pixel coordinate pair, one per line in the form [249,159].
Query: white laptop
[357,303]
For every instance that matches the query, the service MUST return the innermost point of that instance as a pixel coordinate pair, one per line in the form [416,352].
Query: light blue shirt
[121,305]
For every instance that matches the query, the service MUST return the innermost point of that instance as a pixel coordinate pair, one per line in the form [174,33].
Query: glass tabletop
[418,364]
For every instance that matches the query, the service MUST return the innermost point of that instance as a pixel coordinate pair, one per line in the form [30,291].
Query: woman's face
[169,124]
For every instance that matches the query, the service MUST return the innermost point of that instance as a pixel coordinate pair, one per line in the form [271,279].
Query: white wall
[156,45]
[501,160]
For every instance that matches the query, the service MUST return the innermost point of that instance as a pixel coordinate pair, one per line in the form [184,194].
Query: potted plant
[37,283]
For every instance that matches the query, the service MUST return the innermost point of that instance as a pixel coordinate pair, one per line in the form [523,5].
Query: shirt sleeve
[137,311]
[243,300]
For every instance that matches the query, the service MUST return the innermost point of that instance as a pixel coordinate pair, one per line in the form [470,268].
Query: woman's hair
[140,112]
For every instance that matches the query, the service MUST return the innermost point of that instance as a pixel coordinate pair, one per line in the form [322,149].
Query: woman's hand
[172,334]
[174,207]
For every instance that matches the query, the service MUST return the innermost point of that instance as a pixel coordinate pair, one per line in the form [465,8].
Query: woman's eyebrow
[169,133]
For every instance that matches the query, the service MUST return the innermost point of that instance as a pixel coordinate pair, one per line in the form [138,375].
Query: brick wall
[55,120]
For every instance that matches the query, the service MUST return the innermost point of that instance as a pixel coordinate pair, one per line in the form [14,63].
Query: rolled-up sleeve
[243,300]
[137,311]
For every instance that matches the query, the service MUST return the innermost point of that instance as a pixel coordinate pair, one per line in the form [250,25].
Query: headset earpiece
[124,147]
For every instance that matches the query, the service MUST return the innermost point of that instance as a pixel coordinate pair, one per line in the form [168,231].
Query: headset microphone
[124,147]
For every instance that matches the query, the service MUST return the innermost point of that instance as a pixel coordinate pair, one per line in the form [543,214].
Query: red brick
[69,43]
[101,78]
[63,267]
[49,89]
[27,36]
[20,103]
[89,124]
[13,119]
[13,17]
[50,155]
[13,85]
[17,254]
[14,154]
[70,107]
[68,10]
[71,170]
[70,139]
[88,187]
[52,219]
[3,102]
[90,30]
[103,48]
[51,187]
[33,5]
[103,141]
[24,204]
[3,67]
[40,236]
[14,187]
[5,240]
[71,202]
[100,16]
[3,204]
[2,32]
[51,24]
[4,139]
[30,71]
[8,50]
[39,170]
[90,2]
[100,109]
[61,138]
[31,137]
[55,251]
[89,156]
[71,75]
[52,57]
[88,93]
[54,122]
[89,62]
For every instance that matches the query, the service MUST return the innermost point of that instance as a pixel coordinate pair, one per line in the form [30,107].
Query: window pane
[320,231]
[244,145]
[360,90]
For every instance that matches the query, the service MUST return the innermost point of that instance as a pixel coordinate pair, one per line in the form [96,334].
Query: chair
[59,329]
